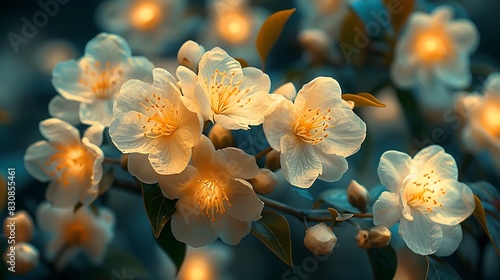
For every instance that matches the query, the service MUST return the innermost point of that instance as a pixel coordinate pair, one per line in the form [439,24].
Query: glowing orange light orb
[234,26]
[146,15]
[433,46]
[490,118]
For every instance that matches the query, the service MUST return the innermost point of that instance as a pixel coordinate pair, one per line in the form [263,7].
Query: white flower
[425,196]
[152,120]
[215,200]
[225,93]
[70,232]
[320,239]
[432,55]
[314,134]
[190,54]
[95,79]
[72,165]
[482,117]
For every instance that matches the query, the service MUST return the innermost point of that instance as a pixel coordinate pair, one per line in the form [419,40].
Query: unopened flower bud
[273,160]
[220,137]
[189,55]
[20,226]
[358,196]
[379,236]
[24,258]
[320,239]
[265,182]
[362,239]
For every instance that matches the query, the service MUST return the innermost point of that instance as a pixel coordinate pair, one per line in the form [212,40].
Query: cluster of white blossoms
[158,120]
[432,55]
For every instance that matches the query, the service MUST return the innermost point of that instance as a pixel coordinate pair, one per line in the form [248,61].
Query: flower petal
[66,80]
[279,123]
[140,167]
[403,71]
[94,134]
[455,73]
[393,168]
[346,134]
[65,196]
[234,230]
[171,154]
[387,210]
[165,84]
[255,80]
[457,203]
[322,92]
[36,158]
[107,48]
[465,34]
[245,205]
[217,60]
[193,228]
[66,110]
[172,185]
[98,111]
[253,110]
[128,136]
[188,80]
[435,160]
[138,67]
[452,236]
[132,93]
[59,132]
[229,123]
[202,153]
[236,163]
[421,235]
[287,90]
[300,165]
[332,166]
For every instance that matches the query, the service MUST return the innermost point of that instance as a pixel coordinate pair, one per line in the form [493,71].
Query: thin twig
[112,161]
[263,153]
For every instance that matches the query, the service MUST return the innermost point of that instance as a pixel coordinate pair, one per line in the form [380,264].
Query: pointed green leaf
[438,269]
[175,249]
[384,262]
[158,208]
[273,230]
[339,217]
[363,99]
[482,219]
[270,32]
[399,13]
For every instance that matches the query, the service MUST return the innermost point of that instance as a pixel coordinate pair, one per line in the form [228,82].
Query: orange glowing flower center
[211,198]
[423,193]
[311,126]
[146,15]
[163,117]
[234,26]
[71,162]
[223,91]
[104,81]
[76,233]
[490,118]
[433,46]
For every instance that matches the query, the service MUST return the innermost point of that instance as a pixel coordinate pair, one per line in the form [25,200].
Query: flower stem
[112,161]
[263,153]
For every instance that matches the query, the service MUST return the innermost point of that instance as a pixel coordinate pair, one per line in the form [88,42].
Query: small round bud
[273,160]
[265,182]
[189,55]
[379,236]
[358,196]
[24,258]
[362,239]
[21,226]
[124,162]
[320,239]
[220,137]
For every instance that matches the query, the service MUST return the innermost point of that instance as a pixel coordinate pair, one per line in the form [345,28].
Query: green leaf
[270,32]
[158,208]
[175,249]
[273,230]
[350,46]
[118,259]
[399,13]
[482,219]
[384,262]
[363,99]
[106,180]
[438,269]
